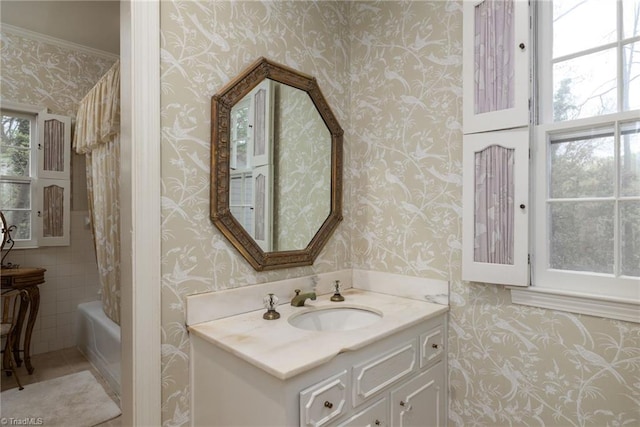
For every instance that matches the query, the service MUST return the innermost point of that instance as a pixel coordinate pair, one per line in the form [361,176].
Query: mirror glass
[280,166]
[276,166]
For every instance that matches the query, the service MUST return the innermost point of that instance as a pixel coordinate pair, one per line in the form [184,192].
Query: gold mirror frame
[221,104]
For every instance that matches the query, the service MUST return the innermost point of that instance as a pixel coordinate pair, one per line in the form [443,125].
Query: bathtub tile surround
[71,278]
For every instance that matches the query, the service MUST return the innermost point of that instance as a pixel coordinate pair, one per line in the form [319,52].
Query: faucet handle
[270,303]
[336,295]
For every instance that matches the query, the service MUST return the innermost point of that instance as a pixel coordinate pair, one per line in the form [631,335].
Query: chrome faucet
[299,299]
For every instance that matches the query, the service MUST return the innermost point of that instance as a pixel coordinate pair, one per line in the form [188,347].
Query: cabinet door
[372,416]
[421,401]
[325,401]
[54,214]
[54,146]
[54,184]
[495,65]
[495,207]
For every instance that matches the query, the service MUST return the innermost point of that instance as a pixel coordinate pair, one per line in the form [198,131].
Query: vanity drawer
[431,346]
[324,401]
[375,374]
[372,416]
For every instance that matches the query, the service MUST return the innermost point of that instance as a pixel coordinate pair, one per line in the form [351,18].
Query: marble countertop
[284,351]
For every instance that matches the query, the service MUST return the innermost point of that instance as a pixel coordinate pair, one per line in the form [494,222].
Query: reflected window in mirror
[251,164]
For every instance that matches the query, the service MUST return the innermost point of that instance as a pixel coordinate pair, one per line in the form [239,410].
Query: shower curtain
[97,136]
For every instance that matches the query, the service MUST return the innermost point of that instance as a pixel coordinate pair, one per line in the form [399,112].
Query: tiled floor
[57,364]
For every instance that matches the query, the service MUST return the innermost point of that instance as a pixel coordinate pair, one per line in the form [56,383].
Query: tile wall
[71,278]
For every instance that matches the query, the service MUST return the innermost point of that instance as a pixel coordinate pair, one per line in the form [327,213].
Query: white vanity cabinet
[398,380]
[420,401]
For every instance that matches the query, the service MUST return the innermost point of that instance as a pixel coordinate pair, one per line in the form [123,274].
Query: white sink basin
[334,319]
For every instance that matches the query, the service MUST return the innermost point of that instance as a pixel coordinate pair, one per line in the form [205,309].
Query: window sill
[574,302]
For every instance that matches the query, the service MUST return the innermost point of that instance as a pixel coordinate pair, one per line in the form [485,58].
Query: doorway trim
[140,227]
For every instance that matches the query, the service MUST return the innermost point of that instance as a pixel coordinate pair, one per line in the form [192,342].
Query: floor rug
[73,400]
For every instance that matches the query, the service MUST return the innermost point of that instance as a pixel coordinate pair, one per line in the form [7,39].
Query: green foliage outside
[582,231]
[15,151]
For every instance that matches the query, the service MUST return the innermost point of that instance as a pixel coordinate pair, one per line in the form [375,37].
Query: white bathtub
[98,338]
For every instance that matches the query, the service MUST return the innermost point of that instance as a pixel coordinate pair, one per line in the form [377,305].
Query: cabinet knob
[328,404]
[435,346]
[405,405]
[522,206]
[377,422]
[521,46]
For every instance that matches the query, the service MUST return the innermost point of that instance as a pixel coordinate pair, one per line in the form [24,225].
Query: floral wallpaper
[46,74]
[508,364]
[392,72]
[204,45]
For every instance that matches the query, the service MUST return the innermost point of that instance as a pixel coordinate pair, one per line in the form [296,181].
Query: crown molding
[32,35]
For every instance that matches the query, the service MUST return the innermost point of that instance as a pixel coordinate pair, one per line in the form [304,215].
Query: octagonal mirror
[276,172]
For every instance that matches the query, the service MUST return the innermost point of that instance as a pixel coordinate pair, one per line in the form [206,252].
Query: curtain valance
[98,118]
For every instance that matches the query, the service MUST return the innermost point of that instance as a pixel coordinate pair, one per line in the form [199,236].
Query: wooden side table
[28,279]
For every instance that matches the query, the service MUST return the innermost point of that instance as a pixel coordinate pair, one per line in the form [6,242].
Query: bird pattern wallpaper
[392,73]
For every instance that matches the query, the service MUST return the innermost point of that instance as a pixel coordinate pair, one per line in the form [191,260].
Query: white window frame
[32,113]
[40,178]
[580,292]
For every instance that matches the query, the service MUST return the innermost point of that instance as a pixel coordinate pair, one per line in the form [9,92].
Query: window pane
[630,238]
[15,145]
[22,221]
[582,167]
[585,86]
[16,131]
[240,134]
[582,24]
[14,195]
[631,77]
[14,161]
[630,160]
[631,18]
[582,236]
